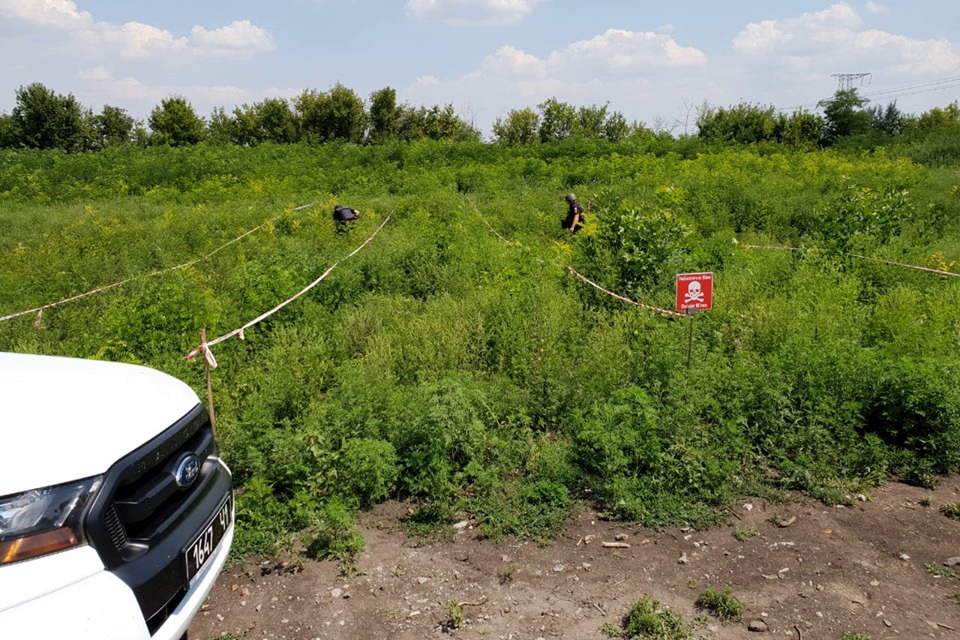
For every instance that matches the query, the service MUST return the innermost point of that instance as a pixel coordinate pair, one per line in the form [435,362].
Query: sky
[656,63]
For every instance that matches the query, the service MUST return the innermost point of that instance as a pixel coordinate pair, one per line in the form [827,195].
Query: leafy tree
[845,115]
[384,115]
[221,128]
[276,121]
[338,114]
[9,132]
[802,129]
[744,124]
[114,126]
[558,120]
[46,120]
[887,120]
[435,123]
[590,121]
[520,127]
[175,123]
[937,118]
[615,128]
[269,121]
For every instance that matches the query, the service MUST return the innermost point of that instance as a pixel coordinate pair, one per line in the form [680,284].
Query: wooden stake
[693,317]
[206,370]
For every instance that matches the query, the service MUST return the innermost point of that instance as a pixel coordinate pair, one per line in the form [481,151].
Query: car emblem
[188,469]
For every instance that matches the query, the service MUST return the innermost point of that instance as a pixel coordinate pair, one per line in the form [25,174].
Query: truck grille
[143,518]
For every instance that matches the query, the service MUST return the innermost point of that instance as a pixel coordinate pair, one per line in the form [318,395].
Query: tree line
[44,119]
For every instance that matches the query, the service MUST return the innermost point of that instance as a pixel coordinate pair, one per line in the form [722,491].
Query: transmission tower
[845,80]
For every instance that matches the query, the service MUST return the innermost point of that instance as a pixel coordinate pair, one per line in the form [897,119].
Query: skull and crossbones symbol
[694,293]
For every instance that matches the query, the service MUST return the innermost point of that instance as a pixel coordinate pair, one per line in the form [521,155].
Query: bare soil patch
[863,568]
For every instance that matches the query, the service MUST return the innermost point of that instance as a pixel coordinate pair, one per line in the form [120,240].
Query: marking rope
[853,255]
[205,346]
[574,272]
[665,312]
[39,310]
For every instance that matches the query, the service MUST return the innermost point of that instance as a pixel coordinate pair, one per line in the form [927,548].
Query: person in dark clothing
[574,214]
[342,216]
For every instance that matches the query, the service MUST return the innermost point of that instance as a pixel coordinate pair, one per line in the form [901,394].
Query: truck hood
[64,419]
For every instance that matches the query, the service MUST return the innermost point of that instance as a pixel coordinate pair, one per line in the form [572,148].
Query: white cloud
[618,66]
[472,13]
[798,34]
[136,41]
[95,73]
[823,39]
[426,81]
[509,62]
[615,53]
[238,35]
[873,7]
[198,95]
[55,14]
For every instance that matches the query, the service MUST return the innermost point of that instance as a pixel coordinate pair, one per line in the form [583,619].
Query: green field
[455,362]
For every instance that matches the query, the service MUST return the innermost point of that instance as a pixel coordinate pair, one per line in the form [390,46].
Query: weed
[951,510]
[955,597]
[941,571]
[455,609]
[646,620]
[722,604]
[924,502]
[506,575]
[853,636]
[745,533]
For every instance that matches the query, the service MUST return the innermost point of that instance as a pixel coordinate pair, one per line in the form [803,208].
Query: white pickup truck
[116,512]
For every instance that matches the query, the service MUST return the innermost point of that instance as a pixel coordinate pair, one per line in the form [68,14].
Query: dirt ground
[831,570]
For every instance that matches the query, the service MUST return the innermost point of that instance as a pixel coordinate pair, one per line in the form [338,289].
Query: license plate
[203,546]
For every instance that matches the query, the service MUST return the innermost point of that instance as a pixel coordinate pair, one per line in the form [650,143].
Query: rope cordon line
[854,255]
[484,220]
[206,346]
[666,312]
[39,310]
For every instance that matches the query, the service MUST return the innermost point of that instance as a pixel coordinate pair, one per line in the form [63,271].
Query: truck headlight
[42,521]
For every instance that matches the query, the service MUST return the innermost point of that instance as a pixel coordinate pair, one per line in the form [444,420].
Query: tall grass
[469,374]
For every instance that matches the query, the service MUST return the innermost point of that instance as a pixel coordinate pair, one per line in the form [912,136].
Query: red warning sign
[694,291]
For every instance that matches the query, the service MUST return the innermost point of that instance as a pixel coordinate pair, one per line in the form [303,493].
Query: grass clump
[743,534]
[854,636]
[722,604]
[942,572]
[646,620]
[951,510]
[456,620]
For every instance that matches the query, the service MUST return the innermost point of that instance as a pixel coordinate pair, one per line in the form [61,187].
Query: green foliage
[43,119]
[475,377]
[175,123]
[519,127]
[384,116]
[861,216]
[334,115]
[845,115]
[647,242]
[742,534]
[951,510]
[853,636]
[744,124]
[647,621]
[333,534]
[940,571]
[455,609]
[114,126]
[721,604]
